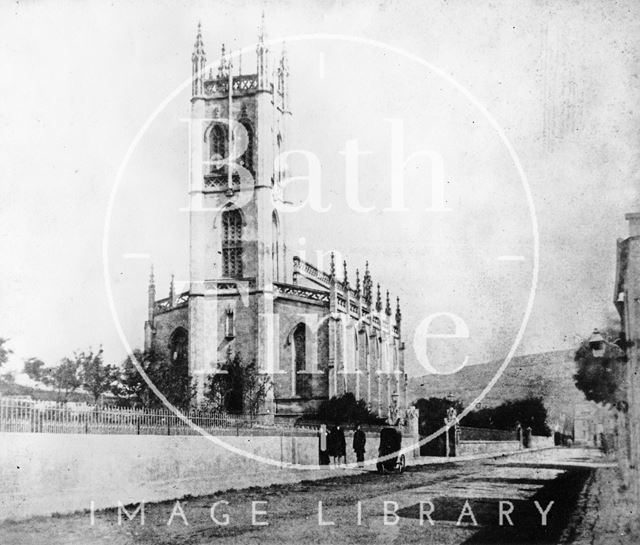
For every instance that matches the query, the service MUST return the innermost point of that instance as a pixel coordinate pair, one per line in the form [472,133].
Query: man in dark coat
[341,446]
[332,444]
[359,441]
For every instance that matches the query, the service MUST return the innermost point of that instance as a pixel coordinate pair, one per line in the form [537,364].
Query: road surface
[444,504]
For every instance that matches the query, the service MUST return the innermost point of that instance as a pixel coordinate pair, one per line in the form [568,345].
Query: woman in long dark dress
[332,444]
[359,441]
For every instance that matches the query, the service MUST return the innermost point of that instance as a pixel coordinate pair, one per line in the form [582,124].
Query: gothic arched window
[229,326]
[232,244]
[299,355]
[179,349]
[246,160]
[217,144]
[275,246]
[367,353]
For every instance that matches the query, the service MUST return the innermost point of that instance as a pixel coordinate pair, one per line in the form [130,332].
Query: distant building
[627,301]
[316,335]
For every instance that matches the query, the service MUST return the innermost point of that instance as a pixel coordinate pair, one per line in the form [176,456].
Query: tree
[431,415]
[4,351]
[175,384]
[529,412]
[84,369]
[600,375]
[238,388]
[65,378]
[34,368]
[96,376]
[432,412]
[256,385]
[129,385]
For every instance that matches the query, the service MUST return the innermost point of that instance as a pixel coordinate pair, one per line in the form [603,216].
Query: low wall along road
[44,473]
[60,458]
[60,473]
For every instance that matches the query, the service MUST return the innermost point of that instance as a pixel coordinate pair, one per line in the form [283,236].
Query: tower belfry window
[232,244]
[247,156]
[217,145]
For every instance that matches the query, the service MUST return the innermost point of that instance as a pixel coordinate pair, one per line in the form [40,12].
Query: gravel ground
[606,513]
[292,509]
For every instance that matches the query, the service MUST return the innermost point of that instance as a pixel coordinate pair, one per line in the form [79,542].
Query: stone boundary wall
[470,448]
[43,474]
[539,441]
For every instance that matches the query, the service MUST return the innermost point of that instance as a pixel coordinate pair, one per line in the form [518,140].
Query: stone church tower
[314,335]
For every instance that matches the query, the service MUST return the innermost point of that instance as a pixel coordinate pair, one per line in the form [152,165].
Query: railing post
[446,435]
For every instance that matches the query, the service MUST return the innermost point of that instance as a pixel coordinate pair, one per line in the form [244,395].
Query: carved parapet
[309,271]
[218,180]
[229,286]
[244,84]
[166,304]
[347,300]
[308,294]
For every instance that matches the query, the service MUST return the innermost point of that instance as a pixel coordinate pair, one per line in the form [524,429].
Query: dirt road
[440,504]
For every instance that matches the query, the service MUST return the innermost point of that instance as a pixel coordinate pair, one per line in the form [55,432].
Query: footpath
[606,514]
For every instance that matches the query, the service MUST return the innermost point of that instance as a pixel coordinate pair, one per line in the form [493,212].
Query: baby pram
[390,444]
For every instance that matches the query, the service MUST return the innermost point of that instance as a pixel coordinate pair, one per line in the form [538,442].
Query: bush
[431,415]
[529,412]
[346,410]
[240,389]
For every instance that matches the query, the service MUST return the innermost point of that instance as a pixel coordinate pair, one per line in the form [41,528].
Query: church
[316,334]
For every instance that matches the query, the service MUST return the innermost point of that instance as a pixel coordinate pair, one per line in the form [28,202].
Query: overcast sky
[559,79]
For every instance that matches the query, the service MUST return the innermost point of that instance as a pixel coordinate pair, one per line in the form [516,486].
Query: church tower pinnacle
[198,64]
[236,232]
[239,299]
[262,56]
[282,78]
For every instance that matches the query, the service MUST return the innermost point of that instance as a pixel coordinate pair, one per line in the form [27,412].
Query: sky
[482,88]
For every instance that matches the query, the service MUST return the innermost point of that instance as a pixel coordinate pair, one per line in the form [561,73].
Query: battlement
[221,83]
[240,85]
[357,303]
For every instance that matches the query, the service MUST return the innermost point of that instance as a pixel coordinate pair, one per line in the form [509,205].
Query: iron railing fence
[50,417]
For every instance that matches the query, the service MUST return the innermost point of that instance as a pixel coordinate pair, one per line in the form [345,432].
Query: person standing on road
[341,444]
[359,441]
[323,446]
[332,444]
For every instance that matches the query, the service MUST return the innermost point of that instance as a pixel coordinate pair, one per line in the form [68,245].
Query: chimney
[634,224]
